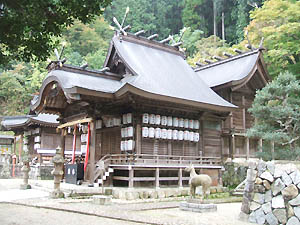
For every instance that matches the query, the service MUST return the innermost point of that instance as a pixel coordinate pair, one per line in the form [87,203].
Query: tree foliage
[278,21]
[277,111]
[27,26]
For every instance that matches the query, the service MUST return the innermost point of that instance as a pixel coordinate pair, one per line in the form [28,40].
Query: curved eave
[127,88]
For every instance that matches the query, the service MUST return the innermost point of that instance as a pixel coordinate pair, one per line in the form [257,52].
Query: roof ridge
[227,60]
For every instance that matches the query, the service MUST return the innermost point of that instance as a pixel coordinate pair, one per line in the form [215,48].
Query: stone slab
[101,199]
[200,208]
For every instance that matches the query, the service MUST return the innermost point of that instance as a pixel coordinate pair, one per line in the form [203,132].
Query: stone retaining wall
[271,194]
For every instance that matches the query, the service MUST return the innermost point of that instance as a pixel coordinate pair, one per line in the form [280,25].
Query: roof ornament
[249,45]
[139,33]
[208,61]
[217,58]
[128,27]
[120,26]
[227,54]
[105,69]
[152,36]
[238,51]
[200,64]
[166,40]
[261,44]
[84,66]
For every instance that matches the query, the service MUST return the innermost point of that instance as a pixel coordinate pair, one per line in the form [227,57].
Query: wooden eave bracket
[70,124]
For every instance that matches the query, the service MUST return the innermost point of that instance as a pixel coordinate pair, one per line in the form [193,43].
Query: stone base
[25,186]
[197,207]
[101,200]
[57,194]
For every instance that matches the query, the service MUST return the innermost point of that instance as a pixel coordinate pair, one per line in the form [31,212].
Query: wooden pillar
[244,112]
[247,148]
[131,176]
[222,148]
[15,145]
[138,141]
[21,148]
[92,153]
[157,178]
[233,145]
[180,177]
[169,148]
[62,142]
[202,139]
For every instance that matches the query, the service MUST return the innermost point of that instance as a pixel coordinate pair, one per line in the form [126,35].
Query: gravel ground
[22,215]
[35,203]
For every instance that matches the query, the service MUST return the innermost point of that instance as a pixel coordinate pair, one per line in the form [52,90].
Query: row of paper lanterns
[127,132]
[151,132]
[127,145]
[170,121]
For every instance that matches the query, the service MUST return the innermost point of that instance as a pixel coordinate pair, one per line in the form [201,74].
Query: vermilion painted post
[87,148]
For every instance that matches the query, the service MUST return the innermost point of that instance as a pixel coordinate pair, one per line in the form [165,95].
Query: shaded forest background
[278,21]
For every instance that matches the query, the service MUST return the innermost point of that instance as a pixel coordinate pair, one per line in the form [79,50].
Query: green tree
[27,26]
[278,21]
[277,111]
[18,85]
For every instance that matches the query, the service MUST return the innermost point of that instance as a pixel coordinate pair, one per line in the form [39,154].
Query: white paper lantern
[175,134]
[186,123]
[125,145]
[164,134]
[99,124]
[145,118]
[152,119]
[145,131]
[36,139]
[157,133]
[164,120]
[130,145]
[196,124]
[124,118]
[123,132]
[122,147]
[191,124]
[83,138]
[170,121]
[129,117]
[175,122]
[157,119]
[191,136]
[196,137]
[83,148]
[170,134]
[116,121]
[180,135]
[181,122]
[186,135]
[151,132]
[129,131]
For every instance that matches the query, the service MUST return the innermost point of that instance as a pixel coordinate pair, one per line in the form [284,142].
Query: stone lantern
[57,172]
[25,169]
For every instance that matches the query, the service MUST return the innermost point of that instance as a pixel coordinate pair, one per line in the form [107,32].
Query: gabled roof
[234,70]
[153,70]
[12,122]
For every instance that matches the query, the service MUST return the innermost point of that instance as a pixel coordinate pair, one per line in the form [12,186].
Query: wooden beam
[70,124]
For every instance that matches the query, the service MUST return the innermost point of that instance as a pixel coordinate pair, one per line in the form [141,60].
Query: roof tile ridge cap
[146,42]
[228,60]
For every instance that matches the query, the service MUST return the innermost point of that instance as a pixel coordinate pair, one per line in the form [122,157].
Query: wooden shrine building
[236,79]
[37,134]
[142,118]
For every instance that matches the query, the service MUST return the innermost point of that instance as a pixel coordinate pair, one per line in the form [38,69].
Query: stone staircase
[239,190]
[101,168]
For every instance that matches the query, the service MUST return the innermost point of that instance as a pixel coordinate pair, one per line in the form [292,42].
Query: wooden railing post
[157,177]
[180,177]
